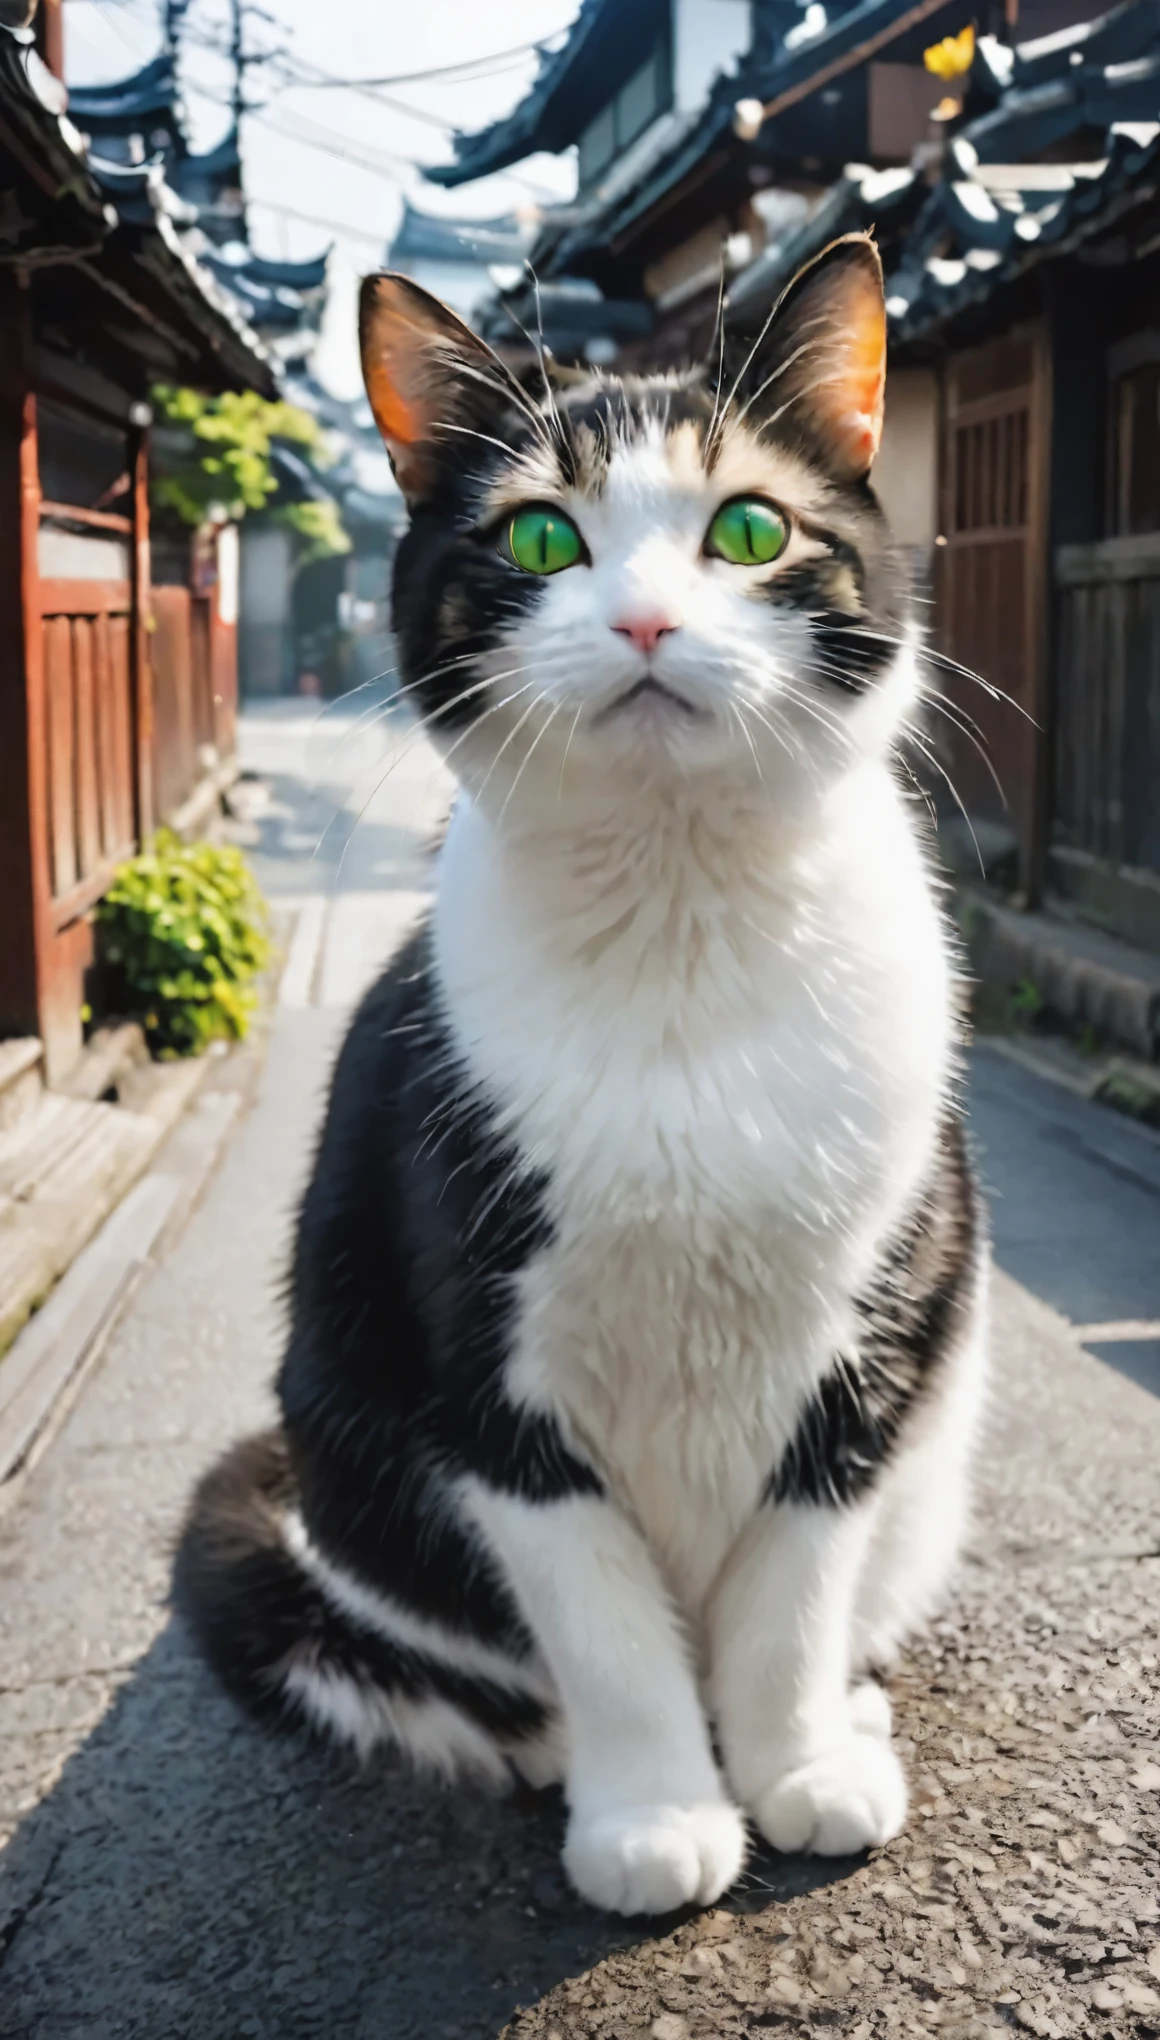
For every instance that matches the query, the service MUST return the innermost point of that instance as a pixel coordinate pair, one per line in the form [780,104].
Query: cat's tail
[301,1644]
[259,1619]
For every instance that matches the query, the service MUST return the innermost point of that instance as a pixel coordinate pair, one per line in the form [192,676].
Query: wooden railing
[1107,699]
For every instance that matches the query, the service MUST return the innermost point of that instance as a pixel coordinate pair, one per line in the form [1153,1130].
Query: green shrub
[215,454]
[182,930]
[1027,1001]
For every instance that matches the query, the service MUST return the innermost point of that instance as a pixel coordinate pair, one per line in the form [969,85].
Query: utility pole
[173,14]
[238,60]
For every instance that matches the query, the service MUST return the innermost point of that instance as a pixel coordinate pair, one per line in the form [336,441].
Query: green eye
[544,541]
[748,532]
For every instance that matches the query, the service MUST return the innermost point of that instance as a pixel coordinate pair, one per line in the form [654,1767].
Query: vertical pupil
[545,530]
[749,545]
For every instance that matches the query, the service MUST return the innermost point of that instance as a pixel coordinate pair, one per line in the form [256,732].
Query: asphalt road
[171,1873]
[1075,1204]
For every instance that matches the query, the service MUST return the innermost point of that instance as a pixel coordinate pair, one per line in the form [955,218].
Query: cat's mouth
[650,688]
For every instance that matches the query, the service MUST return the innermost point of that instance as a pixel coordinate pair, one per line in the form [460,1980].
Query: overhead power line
[381,163]
[468,67]
[316,220]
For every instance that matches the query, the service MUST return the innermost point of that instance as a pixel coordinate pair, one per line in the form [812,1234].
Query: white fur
[699,969]
[651,1826]
[437,1737]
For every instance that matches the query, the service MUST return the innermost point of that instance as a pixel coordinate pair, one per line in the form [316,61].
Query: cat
[638,1304]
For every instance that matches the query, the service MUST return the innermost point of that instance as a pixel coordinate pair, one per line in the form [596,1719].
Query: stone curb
[1086,978]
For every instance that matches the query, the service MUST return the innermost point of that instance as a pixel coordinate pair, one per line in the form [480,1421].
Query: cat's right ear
[431,381]
[818,366]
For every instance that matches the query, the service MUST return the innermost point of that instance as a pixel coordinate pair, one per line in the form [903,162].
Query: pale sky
[344,158]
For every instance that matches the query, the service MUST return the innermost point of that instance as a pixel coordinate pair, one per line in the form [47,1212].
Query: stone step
[67,1165]
[21,1080]
[27,1273]
[1078,974]
[61,1173]
[110,1055]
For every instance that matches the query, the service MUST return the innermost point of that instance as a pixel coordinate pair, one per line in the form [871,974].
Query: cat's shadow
[188,1878]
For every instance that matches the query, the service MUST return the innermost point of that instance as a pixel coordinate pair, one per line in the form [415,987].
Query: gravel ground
[173,1874]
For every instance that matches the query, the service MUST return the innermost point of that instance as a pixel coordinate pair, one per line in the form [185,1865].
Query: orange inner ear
[861,387]
[416,355]
[394,416]
[397,343]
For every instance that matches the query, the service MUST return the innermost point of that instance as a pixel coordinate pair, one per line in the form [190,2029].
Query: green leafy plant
[182,930]
[1027,1001]
[218,463]
[319,528]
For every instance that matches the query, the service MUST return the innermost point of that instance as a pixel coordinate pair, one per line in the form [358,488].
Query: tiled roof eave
[1092,208]
[509,140]
[121,105]
[135,253]
[713,127]
[48,150]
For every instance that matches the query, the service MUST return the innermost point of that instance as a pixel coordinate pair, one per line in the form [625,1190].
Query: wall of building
[906,471]
[265,633]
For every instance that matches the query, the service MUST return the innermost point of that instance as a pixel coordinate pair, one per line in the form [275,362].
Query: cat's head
[650,577]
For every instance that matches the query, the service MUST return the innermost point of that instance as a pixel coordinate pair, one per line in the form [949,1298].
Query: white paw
[850,1797]
[870,1710]
[652,1859]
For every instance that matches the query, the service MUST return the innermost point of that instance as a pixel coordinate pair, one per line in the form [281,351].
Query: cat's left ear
[432,382]
[819,367]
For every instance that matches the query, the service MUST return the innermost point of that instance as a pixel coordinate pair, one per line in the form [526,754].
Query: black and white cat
[637,1307]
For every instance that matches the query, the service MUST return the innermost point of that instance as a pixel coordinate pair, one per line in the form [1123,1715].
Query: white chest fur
[726,1050]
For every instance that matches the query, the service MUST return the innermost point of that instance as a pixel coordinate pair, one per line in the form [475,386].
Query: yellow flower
[953,56]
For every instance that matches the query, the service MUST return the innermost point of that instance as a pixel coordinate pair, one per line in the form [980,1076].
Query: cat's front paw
[849,1797]
[652,1859]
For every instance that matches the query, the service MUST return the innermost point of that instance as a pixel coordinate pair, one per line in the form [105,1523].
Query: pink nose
[645,632]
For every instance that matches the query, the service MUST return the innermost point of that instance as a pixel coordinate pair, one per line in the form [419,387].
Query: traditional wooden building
[1024,309]
[139,120]
[702,129]
[117,670]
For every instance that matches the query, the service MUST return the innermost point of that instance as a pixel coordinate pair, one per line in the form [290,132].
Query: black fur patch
[454,597]
[852,648]
[850,655]
[909,1316]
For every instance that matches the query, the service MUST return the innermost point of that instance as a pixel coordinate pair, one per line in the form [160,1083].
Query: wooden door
[991,580]
[75,717]
[86,628]
[1107,700]
[89,750]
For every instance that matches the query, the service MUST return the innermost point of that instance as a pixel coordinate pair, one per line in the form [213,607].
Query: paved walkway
[172,1874]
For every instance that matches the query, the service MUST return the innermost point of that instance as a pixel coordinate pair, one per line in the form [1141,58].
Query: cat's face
[658,577]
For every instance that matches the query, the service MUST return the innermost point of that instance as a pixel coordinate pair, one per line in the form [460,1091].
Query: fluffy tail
[254,1611]
[301,1643]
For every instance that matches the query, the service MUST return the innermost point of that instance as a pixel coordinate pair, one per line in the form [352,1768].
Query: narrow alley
[172,1873]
